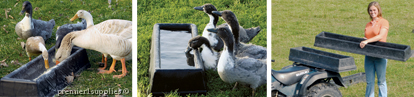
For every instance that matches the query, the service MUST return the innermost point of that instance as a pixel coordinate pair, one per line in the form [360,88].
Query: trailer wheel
[324,89]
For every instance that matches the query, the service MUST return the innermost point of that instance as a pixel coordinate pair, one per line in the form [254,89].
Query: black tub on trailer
[321,59]
[32,79]
[165,76]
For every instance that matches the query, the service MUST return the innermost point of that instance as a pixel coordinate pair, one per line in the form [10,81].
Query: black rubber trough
[321,59]
[351,44]
[169,70]
[32,79]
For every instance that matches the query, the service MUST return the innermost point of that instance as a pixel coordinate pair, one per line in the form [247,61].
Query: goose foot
[111,69]
[104,60]
[124,70]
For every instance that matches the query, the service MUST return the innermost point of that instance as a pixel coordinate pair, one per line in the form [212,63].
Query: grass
[250,13]
[61,11]
[297,22]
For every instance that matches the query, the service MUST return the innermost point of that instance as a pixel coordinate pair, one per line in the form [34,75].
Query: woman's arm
[381,35]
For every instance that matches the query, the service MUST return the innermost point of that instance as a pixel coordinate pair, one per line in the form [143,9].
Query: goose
[239,70]
[102,38]
[250,50]
[34,46]
[29,27]
[245,34]
[67,28]
[209,61]
[83,14]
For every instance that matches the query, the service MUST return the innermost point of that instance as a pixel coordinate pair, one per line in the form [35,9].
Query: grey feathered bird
[250,50]
[67,28]
[28,27]
[242,70]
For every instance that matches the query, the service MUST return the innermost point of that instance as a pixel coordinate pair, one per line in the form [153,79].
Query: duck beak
[74,17]
[57,62]
[188,49]
[217,12]
[46,64]
[213,30]
[200,8]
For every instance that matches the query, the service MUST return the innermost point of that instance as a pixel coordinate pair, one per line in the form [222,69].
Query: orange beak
[74,17]
[46,64]
[57,62]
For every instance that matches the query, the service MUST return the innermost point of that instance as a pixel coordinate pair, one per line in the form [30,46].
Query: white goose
[113,37]
[89,23]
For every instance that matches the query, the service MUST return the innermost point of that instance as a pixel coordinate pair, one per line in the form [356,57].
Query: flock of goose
[111,37]
[238,62]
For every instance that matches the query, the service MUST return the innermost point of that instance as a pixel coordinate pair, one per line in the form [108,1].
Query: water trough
[168,69]
[32,79]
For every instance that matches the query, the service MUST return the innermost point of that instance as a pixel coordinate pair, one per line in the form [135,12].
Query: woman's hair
[376,4]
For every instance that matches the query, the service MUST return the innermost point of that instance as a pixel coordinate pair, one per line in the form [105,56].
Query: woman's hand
[362,44]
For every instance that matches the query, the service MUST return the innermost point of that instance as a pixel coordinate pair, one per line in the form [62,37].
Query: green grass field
[250,13]
[296,23]
[62,11]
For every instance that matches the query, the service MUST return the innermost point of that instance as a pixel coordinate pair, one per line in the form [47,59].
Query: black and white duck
[29,27]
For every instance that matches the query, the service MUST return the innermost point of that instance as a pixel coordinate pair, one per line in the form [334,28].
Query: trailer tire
[323,89]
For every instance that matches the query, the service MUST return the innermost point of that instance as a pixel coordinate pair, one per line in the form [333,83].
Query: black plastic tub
[169,70]
[321,59]
[32,79]
[351,44]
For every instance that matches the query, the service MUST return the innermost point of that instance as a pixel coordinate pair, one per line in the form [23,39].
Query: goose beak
[46,64]
[200,8]
[213,30]
[217,12]
[57,62]
[74,17]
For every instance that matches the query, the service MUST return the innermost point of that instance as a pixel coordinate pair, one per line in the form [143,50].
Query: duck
[210,61]
[242,49]
[67,28]
[29,27]
[240,70]
[113,37]
[215,41]
[35,46]
[246,35]
[83,14]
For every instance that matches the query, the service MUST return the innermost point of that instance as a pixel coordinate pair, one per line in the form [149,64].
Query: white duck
[233,69]
[113,37]
[35,46]
[29,27]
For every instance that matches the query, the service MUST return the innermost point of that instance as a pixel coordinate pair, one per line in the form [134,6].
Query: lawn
[296,23]
[61,11]
[250,13]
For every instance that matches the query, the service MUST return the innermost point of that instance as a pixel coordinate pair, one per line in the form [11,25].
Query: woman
[375,30]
